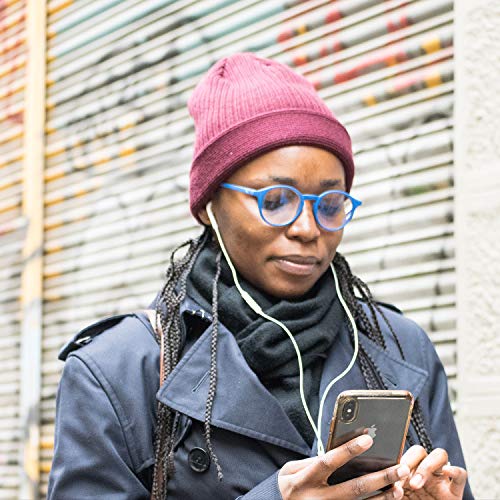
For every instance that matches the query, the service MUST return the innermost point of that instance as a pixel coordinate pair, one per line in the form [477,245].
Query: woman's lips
[298,265]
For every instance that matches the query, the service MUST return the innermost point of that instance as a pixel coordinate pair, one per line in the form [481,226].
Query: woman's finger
[321,469]
[413,456]
[369,483]
[296,465]
[394,493]
[458,477]
[434,462]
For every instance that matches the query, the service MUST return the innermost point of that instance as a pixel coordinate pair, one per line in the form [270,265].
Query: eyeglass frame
[261,193]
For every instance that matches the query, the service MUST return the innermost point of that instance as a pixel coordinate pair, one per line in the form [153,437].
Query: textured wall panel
[477,140]
[12,233]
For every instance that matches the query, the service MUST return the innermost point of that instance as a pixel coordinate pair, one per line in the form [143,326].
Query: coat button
[199,460]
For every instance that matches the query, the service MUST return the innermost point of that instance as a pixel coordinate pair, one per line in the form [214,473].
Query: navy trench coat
[106,409]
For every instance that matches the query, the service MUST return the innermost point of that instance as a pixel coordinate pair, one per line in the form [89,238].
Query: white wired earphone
[253,305]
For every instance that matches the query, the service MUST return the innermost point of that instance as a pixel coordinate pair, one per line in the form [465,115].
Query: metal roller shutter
[119,143]
[12,231]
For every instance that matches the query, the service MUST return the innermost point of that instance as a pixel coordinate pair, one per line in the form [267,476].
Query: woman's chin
[289,289]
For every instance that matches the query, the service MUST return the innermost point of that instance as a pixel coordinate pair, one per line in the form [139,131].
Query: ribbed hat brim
[247,140]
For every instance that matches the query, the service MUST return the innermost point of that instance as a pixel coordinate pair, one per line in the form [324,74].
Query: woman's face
[281,261]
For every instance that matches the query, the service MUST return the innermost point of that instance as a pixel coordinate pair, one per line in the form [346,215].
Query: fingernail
[397,494]
[403,471]
[417,480]
[364,440]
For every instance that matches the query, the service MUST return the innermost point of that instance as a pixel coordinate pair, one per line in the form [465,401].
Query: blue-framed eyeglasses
[281,205]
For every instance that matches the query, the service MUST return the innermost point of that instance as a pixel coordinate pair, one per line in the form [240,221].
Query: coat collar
[243,404]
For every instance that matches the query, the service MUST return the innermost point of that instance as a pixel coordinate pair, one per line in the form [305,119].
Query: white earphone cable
[255,307]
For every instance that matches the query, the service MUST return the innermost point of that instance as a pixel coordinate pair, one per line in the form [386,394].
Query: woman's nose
[305,226]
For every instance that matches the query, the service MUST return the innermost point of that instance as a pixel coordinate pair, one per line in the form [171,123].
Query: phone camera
[349,411]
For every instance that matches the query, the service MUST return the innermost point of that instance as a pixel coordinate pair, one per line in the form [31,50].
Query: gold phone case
[383,414]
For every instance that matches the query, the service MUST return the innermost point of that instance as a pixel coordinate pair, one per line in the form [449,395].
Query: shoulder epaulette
[387,305]
[83,337]
[392,307]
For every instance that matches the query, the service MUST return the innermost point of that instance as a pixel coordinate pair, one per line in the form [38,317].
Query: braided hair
[174,292]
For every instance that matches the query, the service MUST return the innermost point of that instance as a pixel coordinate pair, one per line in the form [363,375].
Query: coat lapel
[242,404]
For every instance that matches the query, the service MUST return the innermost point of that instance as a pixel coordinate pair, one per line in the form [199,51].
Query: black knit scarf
[314,320]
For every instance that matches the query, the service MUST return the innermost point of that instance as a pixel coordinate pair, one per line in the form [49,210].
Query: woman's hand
[308,478]
[431,476]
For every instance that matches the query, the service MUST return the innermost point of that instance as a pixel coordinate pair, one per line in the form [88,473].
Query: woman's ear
[203,216]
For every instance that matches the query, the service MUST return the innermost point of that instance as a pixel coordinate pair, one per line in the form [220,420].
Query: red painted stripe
[337,45]
[300,59]
[323,50]
[398,23]
[285,35]
[333,15]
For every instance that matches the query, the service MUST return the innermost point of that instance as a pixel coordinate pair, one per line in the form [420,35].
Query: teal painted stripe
[126,18]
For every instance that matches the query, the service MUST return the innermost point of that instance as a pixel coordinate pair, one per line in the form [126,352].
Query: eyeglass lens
[280,206]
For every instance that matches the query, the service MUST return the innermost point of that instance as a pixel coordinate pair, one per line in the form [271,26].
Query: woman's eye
[277,199]
[273,203]
[330,210]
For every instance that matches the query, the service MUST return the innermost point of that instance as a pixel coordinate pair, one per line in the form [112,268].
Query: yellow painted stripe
[302,29]
[433,80]
[55,225]
[9,207]
[12,137]
[432,45]
[55,152]
[56,174]
[53,298]
[13,20]
[102,160]
[81,192]
[54,249]
[47,444]
[55,201]
[127,151]
[11,160]
[7,185]
[127,126]
[45,467]
[61,6]
[55,274]
[370,100]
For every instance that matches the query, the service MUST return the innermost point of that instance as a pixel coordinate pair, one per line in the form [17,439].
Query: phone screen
[384,417]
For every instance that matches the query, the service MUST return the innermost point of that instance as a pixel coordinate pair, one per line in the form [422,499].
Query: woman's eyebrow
[326,183]
[331,183]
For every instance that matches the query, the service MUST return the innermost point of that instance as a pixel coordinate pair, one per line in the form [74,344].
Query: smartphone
[384,415]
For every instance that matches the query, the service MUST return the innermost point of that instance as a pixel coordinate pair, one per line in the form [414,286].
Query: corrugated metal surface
[12,230]
[119,143]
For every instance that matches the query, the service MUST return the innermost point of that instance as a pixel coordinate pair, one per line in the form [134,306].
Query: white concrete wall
[477,177]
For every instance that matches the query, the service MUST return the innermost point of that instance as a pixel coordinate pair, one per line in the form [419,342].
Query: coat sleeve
[267,489]
[442,424]
[91,458]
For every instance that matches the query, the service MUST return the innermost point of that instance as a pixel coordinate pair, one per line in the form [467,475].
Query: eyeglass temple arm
[241,189]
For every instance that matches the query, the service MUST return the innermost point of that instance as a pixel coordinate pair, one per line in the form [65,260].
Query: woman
[234,416]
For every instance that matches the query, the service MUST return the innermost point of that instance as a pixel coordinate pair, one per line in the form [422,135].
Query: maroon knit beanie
[246,106]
